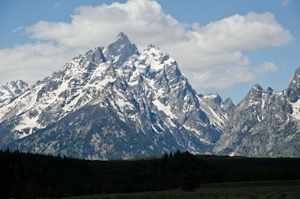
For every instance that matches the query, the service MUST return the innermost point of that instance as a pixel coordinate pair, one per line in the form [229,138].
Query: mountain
[216,103]
[113,102]
[12,89]
[264,124]
[117,102]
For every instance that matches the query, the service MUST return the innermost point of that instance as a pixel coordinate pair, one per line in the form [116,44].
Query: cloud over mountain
[203,52]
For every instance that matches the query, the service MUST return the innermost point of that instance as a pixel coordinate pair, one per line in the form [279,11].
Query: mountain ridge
[12,89]
[140,102]
[117,102]
[264,124]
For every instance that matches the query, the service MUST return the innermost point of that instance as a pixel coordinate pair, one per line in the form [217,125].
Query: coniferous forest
[27,175]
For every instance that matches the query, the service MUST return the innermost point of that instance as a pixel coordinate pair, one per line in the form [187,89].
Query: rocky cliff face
[264,124]
[113,102]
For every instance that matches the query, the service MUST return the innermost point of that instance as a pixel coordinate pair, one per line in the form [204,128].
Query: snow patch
[296,110]
[153,127]
[165,109]
[27,123]
[211,96]
[258,119]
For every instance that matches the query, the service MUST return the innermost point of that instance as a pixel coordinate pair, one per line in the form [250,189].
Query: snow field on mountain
[296,110]
[109,99]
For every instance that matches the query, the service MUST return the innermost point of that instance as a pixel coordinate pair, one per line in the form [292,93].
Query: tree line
[27,175]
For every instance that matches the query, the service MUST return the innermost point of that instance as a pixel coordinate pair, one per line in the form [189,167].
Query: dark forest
[27,175]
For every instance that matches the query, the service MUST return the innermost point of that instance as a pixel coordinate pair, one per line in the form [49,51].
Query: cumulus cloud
[211,56]
[238,32]
[224,77]
[139,19]
[32,62]
[221,77]
[234,34]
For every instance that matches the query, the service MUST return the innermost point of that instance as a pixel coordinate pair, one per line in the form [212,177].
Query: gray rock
[112,103]
[264,124]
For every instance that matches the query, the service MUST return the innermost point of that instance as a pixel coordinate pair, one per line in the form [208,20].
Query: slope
[112,102]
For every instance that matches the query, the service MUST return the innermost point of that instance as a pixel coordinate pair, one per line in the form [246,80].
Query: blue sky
[220,46]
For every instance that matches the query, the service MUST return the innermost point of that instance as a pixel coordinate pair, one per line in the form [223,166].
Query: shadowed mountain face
[113,102]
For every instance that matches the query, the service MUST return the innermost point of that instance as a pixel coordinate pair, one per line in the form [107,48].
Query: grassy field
[253,190]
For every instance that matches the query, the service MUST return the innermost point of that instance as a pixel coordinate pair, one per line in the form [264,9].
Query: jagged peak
[95,55]
[121,38]
[215,97]
[12,89]
[88,52]
[98,49]
[292,92]
[227,105]
[254,94]
[228,100]
[269,89]
[18,84]
[257,87]
[120,50]
[296,79]
[153,50]
[297,71]
[152,46]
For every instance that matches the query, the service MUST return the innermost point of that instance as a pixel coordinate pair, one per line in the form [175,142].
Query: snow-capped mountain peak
[12,89]
[120,50]
[112,98]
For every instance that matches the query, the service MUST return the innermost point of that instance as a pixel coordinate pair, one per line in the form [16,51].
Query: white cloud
[238,32]
[32,62]
[17,29]
[235,34]
[286,2]
[221,77]
[213,56]
[210,56]
[266,67]
[91,26]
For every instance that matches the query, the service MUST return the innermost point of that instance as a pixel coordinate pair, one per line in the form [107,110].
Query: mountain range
[116,102]
[265,124]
